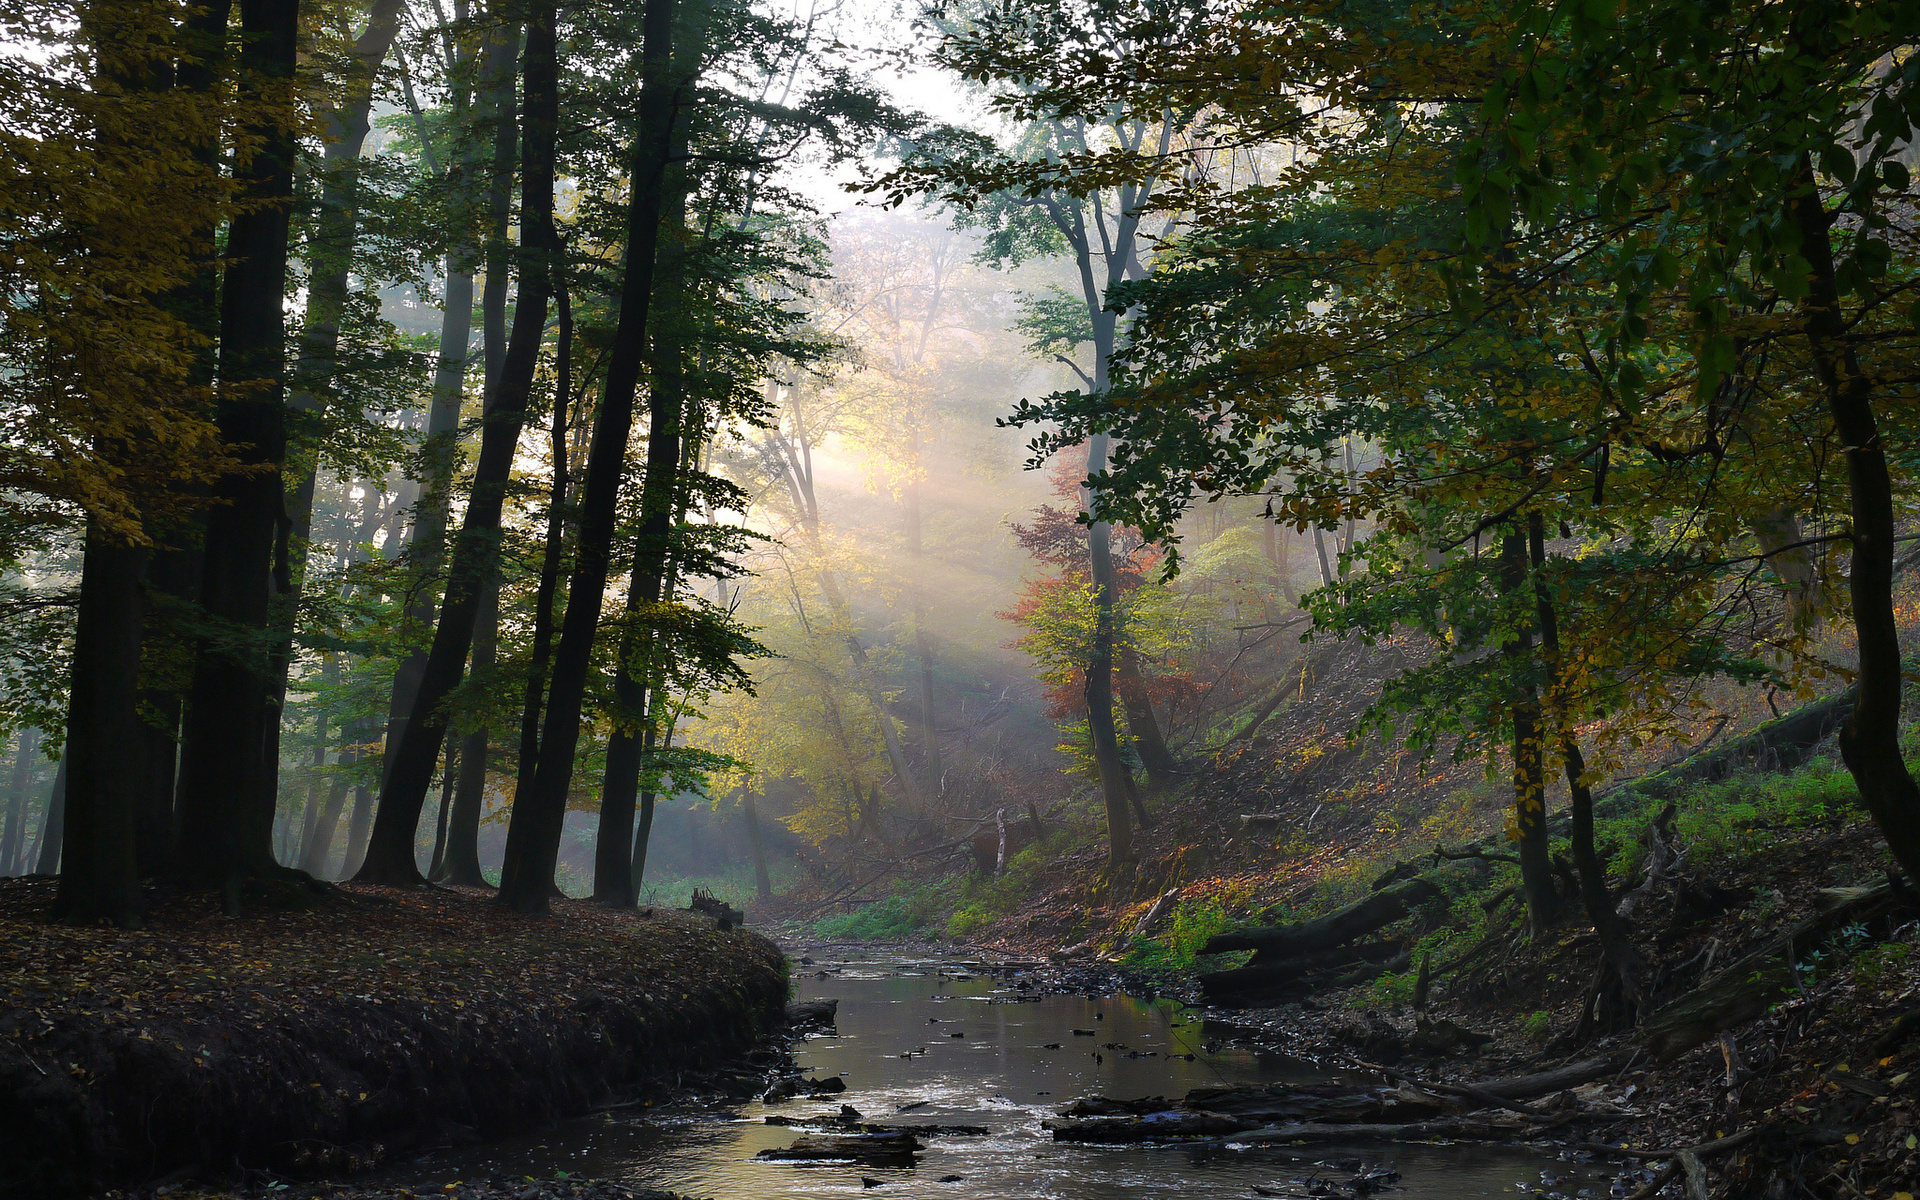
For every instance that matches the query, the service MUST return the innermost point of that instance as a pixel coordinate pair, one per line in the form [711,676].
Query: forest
[1392,520]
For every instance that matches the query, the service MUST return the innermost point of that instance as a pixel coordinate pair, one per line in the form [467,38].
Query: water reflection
[917,1045]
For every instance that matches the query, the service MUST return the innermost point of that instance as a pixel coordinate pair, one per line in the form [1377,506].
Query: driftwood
[713,906]
[1337,928]
[1747,988]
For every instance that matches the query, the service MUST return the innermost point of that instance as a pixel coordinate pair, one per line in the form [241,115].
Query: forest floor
[325,1038]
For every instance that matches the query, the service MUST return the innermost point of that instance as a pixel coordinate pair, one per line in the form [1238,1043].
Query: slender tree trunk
[226,796]
[448,772]
[1141,722]
[319,848]
[1320,549]
[533,834]
[1529,774]
[428,544]
[1114,776]
[1595,896]
[762,882]
[47,860]
[616,872]
[923,644]
[11,858]
[462,865]
[1870,739]
[473,572]
[551,552]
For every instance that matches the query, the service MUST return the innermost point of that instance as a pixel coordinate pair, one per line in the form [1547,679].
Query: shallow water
[998,1074]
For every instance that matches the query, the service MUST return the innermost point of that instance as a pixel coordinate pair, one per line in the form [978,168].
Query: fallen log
[1258,980]
[1747,988]
[1526,1087]
[1780,744]
[1335,929]
[878,1149]
[812,1014]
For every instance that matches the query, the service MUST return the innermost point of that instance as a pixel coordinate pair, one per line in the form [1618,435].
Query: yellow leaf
[1853,1139]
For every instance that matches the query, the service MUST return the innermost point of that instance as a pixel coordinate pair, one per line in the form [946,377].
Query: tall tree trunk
[474,569]
[99,874]
[923,644]
[1621,954]
[533,833]
[762,882]
[11,859]
[54,824]
[619,847]
[1529,773]
[552,550]
[1870,739]
[426,547]
[226,796]
[1114,776]
[358,831]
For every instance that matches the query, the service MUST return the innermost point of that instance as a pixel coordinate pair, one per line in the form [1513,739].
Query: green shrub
[1537,1025]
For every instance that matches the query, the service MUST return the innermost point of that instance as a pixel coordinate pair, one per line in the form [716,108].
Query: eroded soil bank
[324,1040]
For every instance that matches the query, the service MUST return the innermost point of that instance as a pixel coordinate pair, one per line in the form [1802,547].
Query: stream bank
[330,1039]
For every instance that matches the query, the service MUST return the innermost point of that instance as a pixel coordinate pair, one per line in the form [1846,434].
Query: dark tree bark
[533,834]
[100,871]
[620,846]
[358,830]
[1870,739]
[554,547]
[390,854]
[226,801]
[1529,758]
[462,864]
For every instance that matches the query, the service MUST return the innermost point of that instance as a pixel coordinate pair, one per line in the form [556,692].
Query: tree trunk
[427,546]
[1621,954]
[462,865]
[1114,776]
[1529,772]
[616,870]
[55,823]
[390,856]
[762,882]
[226,797]
[1142,724]
[1320,549]
[552,549]
[174,573]
[100,872]
[12,842]
[448,770]
[357,832]
[533,834]
[319,848]
[923,644]
[1870,740]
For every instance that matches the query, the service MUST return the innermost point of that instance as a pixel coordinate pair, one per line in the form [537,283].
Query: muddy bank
[326,1040]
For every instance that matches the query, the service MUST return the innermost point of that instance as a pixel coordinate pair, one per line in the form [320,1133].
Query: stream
[921,1042]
